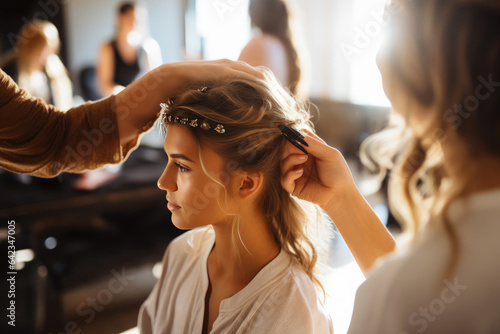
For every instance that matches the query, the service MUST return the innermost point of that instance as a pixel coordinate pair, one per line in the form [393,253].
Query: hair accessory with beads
[193,122]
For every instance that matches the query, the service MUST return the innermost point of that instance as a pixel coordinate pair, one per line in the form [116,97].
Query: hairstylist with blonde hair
[441,71]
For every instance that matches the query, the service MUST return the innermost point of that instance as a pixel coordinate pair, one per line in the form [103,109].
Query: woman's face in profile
[194,198]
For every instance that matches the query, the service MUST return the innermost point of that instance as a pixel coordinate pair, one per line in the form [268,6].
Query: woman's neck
[255,248]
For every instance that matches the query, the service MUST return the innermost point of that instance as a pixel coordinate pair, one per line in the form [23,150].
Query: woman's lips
[172,206]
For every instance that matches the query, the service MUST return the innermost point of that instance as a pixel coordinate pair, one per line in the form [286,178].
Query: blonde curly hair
[438,53]
[251,110]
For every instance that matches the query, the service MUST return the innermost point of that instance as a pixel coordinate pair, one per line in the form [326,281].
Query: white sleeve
[380,303]
[147,313]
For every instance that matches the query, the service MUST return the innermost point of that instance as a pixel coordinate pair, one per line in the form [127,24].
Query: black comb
[293,136]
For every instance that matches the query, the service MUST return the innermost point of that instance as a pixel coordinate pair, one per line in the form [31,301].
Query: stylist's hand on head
[55,137]
[320,177]
[138,104]
[323,178]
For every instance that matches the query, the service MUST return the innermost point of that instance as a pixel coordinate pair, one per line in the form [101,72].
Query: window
[367,26]
[343,38]
[222,28]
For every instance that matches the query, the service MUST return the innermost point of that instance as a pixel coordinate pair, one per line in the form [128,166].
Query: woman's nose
[166,181]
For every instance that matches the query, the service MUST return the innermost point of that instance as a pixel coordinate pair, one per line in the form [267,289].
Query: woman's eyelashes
[181,167]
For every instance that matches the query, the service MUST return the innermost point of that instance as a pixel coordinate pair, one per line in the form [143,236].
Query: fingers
[291,171]
[290,149]
[292,161]
[317,147]
[288,179]
[312,134]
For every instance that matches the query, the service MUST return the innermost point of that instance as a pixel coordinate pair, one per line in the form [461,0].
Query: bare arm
[324,178]
[362,230]
[105,71]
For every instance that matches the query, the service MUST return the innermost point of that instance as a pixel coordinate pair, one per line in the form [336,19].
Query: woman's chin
[182,224]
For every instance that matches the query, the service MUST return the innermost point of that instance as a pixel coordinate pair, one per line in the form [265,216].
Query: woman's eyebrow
[180,156]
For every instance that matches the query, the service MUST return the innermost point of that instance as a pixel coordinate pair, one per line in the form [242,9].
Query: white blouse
[408,291]
[281,298]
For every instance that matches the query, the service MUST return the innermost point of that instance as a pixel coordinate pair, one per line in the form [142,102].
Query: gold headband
[193,122]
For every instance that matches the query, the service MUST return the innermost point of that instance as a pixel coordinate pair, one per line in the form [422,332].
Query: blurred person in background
[36,67]
[129,54]
[121,61]
[276,44]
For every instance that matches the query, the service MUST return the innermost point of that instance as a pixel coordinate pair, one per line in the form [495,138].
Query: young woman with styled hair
[440,69]
[250,263]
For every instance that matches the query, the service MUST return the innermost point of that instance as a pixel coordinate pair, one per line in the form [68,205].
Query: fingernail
[299,171]
[302,157]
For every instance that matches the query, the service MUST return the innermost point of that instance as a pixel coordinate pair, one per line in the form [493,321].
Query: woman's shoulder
[304,311]
[269,51]
[412,280]
[266,43]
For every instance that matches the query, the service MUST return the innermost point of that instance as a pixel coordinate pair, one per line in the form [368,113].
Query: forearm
[137,105]
[38,139]
[365,235]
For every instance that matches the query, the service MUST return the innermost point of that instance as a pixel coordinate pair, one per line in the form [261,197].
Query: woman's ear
[250,184]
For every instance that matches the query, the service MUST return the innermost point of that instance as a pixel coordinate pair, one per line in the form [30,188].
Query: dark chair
[88,84]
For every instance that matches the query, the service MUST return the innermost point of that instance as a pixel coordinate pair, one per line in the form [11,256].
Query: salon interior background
[341,36]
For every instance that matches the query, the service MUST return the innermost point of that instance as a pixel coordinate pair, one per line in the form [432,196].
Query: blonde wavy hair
[34,37]
[251,110]
[437,53]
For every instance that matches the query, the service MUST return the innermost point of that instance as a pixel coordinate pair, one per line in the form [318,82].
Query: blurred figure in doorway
[276,44]
[125,58]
